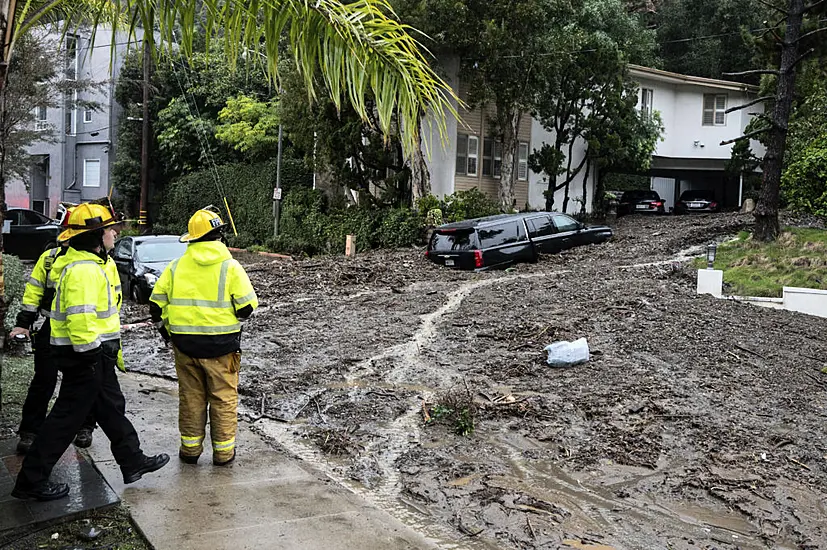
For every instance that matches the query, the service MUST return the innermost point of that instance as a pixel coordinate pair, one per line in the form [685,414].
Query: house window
[522,162]
[646,97]
[468,153]
[714,110]
[71,61]
[40,118]
[92,173]
[70,116]
[87,116]
[487,156]
[473,155]
[39,206]
[492,158]
[462,153]
[498,159]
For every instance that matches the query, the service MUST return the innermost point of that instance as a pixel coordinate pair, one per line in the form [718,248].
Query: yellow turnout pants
[208,384]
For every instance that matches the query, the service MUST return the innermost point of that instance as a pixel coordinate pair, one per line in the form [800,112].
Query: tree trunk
[510,124]
[766,211]
[549,193]
[598,202]
[420,177]
[585,186]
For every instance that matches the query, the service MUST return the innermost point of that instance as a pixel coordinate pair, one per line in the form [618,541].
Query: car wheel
[50,245]
[137,294]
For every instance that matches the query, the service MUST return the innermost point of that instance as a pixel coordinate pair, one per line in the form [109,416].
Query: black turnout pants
[88,384]
[42,386]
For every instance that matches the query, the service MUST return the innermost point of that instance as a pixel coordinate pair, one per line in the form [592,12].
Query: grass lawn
[17,372]
[751,268]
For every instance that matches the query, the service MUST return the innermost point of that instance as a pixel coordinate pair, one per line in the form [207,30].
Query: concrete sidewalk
[264,500]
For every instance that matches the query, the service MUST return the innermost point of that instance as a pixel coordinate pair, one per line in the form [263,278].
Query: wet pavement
[266,499]
[88,490]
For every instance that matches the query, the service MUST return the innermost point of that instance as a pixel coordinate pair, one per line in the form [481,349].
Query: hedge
[249,189]
[15,284]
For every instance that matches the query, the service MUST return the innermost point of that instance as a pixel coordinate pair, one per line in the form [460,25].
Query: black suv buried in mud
[499,241]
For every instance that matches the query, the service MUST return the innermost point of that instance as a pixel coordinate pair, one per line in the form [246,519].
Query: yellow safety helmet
[202,222]
[86,217]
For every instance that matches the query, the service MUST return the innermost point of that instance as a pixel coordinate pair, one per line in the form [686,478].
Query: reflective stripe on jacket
[38,282]
[85,309]
[200,292]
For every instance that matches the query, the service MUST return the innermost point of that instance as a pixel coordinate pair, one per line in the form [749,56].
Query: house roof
[677,78]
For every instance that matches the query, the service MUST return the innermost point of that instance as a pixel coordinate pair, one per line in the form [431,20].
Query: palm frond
[359,49]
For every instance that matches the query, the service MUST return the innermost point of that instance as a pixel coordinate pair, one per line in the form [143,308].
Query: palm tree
[359,49]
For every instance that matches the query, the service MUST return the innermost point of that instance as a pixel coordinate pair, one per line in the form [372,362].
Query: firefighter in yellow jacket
[37,299]
[198,303]
[85,344]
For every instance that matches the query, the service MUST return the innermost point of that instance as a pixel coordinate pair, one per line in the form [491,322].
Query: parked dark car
[641,201]
[141,260]
[503,240]
[699,200]
[30,233]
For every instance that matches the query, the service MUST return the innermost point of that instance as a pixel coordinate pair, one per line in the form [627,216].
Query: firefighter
[198,303]
[85,344]
[37,299]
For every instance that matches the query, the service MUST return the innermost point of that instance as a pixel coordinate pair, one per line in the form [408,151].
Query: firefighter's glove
[162,330]
[120,363]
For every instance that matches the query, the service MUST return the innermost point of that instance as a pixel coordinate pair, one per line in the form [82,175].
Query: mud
[697,423]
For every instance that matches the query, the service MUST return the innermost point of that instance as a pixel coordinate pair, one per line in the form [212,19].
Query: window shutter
[709,110]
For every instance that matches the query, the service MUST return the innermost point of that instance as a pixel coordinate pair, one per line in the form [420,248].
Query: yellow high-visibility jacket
[199,295]
[37,284]
[87,301]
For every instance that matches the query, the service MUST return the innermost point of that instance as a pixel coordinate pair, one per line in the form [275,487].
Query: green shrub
[427,204]
[400,227]
[464,205]
[805,179]
[249,189]
[15,284]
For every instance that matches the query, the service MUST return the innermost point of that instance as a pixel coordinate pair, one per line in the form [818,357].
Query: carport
[670,177]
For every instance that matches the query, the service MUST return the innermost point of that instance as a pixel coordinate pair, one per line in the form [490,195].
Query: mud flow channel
[697,423]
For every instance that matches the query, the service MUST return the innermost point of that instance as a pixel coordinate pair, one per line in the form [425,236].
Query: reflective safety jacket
[87,300]
[199,295]
[37,297]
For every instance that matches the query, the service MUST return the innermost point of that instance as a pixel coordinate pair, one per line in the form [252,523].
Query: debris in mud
[454,408]
[336,442]
[567,354]
[693,420]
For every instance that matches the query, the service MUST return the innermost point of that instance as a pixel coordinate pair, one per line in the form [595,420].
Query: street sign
[277,194]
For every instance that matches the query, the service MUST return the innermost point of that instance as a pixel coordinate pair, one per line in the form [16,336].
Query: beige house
[479,155]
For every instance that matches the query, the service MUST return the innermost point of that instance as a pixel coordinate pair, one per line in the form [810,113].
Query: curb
[268,254]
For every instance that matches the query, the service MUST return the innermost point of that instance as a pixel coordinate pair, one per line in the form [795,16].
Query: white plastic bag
[567,354]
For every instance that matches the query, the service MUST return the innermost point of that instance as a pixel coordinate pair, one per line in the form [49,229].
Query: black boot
[147,464]
[45,490]
[225,462]
[188,459]
[26,440]
[84,438]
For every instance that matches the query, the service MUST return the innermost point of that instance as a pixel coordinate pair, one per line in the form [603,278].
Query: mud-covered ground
[697,423]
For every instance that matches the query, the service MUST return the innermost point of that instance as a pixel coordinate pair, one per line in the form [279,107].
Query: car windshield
[641,196]
[696,196]
[159,251]
[453,240]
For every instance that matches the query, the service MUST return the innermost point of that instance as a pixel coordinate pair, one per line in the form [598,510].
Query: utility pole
[143,226]
[7,11]
[277,190]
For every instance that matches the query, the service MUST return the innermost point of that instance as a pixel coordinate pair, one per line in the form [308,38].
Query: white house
[688,157]
[693,110]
